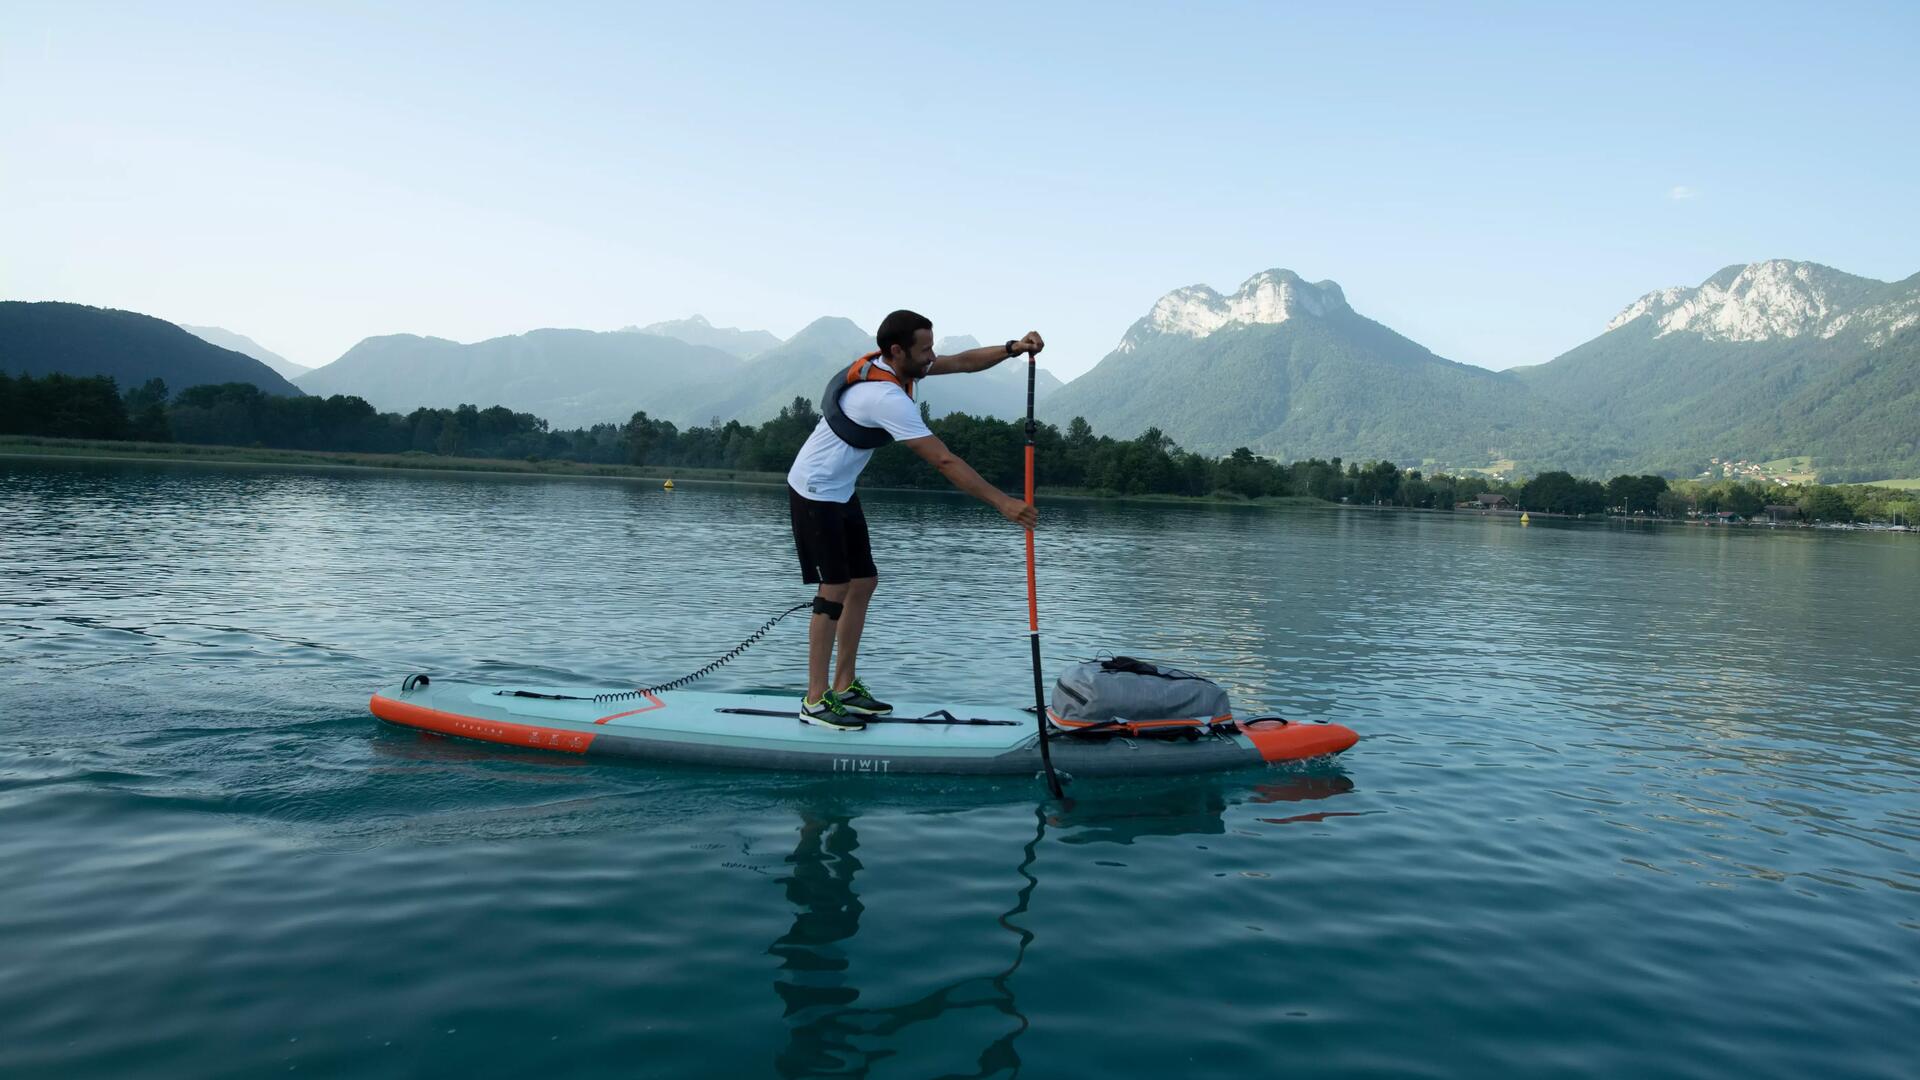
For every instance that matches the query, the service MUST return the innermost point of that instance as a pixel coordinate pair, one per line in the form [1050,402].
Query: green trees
[1672,504]
[1636,494]
[147,412]
[1743,500]
[1377,483]
[642,435]
[1562,493]
[1241,473]
[62,406]
[1826,504]
[1319,479]
[1078,458]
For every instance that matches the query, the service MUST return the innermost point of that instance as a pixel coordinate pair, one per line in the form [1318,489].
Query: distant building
[1490,501]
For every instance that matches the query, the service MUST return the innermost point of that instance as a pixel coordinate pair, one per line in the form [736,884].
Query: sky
[1493,181]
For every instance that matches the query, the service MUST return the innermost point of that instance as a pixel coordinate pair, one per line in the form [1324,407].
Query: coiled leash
[629,695]
[696,676]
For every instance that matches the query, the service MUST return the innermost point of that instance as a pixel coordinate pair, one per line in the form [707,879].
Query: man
[868,405]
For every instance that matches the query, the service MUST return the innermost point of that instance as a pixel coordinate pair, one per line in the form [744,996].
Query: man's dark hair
[898,329]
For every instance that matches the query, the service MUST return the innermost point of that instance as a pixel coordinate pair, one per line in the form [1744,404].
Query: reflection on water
[831,1034]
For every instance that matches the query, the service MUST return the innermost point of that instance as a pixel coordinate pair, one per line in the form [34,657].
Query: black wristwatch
[1011,342]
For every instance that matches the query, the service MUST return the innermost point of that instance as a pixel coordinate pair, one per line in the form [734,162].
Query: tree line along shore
[258,426]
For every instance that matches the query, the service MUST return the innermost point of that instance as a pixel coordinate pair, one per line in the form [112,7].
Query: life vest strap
[865,370]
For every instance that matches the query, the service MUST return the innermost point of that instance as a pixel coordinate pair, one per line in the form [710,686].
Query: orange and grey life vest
[858,436]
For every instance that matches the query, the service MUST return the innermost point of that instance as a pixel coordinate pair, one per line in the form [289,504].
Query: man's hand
[985,356]
[1018,512]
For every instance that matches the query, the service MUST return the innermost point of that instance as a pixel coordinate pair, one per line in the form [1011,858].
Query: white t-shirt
[826,466]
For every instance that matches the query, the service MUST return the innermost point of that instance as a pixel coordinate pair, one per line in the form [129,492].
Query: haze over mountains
[1760,361]
[572,378]
[687,371]
[802,365]
[246,346]
[696,330]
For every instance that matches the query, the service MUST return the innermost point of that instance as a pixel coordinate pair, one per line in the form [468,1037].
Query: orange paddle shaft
[1033,606]
[1033,595]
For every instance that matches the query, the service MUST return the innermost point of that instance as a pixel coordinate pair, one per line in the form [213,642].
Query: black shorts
[831,540]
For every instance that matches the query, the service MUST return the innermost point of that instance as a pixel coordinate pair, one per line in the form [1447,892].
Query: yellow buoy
[668,485]
[1524,518]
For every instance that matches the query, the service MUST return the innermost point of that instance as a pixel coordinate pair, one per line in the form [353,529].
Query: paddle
[1033,602]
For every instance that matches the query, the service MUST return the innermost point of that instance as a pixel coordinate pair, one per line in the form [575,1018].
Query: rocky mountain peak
[1762,301]
[1271,296]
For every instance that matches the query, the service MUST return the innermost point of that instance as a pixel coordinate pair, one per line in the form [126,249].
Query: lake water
[1627,801]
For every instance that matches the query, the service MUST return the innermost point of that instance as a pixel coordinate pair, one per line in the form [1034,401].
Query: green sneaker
[829,712]
[857,699]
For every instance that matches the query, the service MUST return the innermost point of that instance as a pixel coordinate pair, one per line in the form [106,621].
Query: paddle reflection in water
[830,1035]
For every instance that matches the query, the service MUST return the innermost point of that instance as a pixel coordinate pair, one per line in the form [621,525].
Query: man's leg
[820,633]
[853,620]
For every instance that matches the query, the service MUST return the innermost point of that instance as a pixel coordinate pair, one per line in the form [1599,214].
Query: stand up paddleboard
[762,732]
[667,723]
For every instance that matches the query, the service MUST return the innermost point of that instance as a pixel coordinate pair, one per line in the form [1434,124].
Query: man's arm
[984,357]
[963,477]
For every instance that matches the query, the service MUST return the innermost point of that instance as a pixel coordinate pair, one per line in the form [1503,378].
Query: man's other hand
[1019,513]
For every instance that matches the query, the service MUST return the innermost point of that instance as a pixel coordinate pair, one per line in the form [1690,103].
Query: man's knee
[862,586]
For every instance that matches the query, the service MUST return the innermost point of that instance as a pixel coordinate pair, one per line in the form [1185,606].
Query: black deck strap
[829,608]
[411,682]
[1119,729]
[1131,666]
[941,717]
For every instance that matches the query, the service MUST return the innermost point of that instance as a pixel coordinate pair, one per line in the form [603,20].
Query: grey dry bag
[1137,697]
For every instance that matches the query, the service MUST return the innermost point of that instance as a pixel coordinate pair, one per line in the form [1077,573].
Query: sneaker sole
[858,711]
[831,725]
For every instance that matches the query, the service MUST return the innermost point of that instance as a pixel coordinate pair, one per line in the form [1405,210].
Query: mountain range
[572,378]
[246,346]
[74,339]
[576,378]
[696,330]
[1760,361]
[1287,368]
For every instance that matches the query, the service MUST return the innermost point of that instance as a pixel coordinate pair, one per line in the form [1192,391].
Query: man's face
[918,358]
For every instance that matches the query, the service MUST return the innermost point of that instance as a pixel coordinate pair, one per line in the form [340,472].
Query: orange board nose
[1291,742]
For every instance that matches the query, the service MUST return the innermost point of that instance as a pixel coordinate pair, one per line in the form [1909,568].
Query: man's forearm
[979,359]
[962,476]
